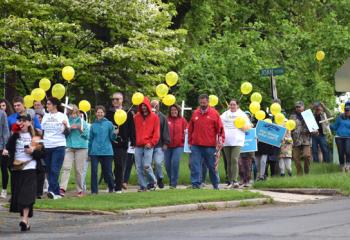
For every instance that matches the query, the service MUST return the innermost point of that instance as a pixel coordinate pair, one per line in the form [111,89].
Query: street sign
[268,72]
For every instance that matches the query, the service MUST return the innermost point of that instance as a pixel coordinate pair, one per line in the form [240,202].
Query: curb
[169,209]
[305,191]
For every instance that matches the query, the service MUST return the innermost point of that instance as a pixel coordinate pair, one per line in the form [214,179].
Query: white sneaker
[3,193]
[55,197]
[51,195]
[118,192]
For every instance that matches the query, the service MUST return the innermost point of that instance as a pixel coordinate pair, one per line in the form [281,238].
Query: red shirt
[147,128]
[205,128]
[177,127]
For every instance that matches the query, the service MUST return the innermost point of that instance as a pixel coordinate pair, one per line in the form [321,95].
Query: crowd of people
[40,146]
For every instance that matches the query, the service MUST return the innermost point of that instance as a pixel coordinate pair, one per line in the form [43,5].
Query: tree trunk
[10,85]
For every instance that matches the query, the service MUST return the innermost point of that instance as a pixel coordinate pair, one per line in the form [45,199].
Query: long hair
[56,102]
[178,110]
[9,109]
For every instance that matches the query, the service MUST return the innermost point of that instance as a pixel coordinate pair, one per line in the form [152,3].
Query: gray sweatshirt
[4,130]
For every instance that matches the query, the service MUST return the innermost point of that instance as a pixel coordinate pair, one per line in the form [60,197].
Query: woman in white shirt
[54,125]
[25,152]
[234,140]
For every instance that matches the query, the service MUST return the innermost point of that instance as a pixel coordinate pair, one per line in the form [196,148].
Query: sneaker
[125,186]
[142,189]
[160,183]
[119,191]
[235,185]
[289,174]
[56,197]
[51,195]
[24,226]
[62,192]
[3,193]
[283,175]
[151,187]
[80,194]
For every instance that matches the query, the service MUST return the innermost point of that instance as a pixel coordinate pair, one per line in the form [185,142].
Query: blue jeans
[172,163]
[106,165]
[208,156]
[158,157]
[143,161]
[322,142]
[54,160]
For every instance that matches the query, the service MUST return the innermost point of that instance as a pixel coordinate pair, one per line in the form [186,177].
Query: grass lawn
[321,176]
[114,202]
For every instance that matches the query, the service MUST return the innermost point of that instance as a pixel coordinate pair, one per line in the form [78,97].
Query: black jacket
[164,130]
[126,131]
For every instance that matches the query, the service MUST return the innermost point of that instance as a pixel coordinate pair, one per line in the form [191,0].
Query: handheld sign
[310,120]
[187,148]
[270,133]
[250,142]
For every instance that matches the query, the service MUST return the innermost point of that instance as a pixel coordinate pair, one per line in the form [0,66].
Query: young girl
[25,152]
[285,161]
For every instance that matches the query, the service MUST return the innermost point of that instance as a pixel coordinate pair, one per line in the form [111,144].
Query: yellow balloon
[256,97]
[342,107]
[28,101]
[213,100]
[260,115]
[137,98]
[279,118]
[162,90]
[320,55]
[120,117]
[239,122]
[275,108]
[290,125]
[268,120]
[254,107]
[45,84]
[169,100]
[58,91]
[38,94]
[246,88]
[171,78]
[84,105]
[68,73]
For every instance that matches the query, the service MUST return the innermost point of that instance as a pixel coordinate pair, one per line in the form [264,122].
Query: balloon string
[129,109]
[240,98]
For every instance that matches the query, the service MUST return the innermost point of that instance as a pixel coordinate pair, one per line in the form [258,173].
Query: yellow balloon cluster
[68,73]
[246,88]
[28,101]
[260,115]
[58,91]
[45,84]
[256,97]
[169,100]
[275,108]
[279,118]
[162,90]
[290,125]
[320,55]
[120,117]
[38,94]
[239,122]
[137,98]
[171,78]
[84,106]
[254,107]
[213,100]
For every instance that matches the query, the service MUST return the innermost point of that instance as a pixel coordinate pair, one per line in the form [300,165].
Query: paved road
[328,219]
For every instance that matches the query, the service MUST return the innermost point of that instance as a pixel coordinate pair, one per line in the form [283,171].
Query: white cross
[183,108]
[65,105]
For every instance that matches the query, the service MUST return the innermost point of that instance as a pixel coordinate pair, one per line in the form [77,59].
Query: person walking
[162,145]
[102,134]
[341,127]
[147,127]
[4,136]
[76,151]
[234,140]
[301,140]
[319,138]
[177,128]
[285,158]
[25,152]
[126,134]
[205,134]
[55,125]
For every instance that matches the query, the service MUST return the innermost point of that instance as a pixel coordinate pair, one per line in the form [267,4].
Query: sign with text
[250,142]
[310,120]
[268,72]
[270,133]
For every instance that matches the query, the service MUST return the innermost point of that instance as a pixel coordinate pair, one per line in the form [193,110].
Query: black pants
[343,145]
[4,170]
[120,157]
[128,166]
[40,180]
[272,165]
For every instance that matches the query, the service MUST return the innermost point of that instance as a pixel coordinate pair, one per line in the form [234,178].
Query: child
[285,161]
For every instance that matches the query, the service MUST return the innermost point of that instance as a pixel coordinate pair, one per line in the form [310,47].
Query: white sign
[310,120]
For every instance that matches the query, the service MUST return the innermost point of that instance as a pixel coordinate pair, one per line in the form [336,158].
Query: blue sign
[250,142]
[270,133]
[187,148]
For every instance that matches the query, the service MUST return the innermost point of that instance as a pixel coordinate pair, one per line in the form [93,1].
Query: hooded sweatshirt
[177,127]
[147,128]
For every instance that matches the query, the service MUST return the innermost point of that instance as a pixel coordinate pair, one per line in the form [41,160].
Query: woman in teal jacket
[102,134]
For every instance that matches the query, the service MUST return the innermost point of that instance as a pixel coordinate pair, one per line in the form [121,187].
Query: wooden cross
[183,108]
[65,105]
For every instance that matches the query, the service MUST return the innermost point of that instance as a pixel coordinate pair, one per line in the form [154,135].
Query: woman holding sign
[234,139]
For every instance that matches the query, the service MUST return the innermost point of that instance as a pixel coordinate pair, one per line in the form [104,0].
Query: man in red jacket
[205,134]
[147,129]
